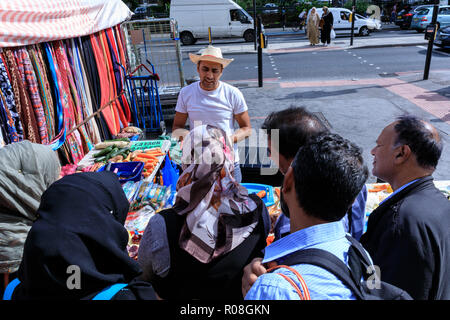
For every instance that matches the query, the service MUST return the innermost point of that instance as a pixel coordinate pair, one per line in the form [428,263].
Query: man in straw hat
[212,102]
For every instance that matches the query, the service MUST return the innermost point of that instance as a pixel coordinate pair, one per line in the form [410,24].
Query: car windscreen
[423,12]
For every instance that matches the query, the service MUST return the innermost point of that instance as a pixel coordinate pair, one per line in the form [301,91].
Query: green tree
[361,6]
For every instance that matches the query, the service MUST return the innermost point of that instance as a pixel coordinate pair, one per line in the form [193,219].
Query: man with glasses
[408,233]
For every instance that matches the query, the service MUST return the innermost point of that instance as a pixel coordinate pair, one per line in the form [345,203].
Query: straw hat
[212,54]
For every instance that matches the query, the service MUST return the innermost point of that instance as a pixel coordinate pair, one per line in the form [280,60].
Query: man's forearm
[241,134]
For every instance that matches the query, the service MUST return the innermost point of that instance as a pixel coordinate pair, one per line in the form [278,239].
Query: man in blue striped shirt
[319,187]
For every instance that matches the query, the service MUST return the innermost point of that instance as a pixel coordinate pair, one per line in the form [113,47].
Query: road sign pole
[260,44]
[254,22]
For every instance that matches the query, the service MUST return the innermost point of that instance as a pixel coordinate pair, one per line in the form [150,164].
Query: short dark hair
[295,126]
[329,172]
[411,131]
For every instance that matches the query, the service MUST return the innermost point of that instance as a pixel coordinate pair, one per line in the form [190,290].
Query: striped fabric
[30,82]
[44,88]
[27,22]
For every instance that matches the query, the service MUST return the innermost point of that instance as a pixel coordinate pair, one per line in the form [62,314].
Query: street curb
[389,45]
[340,47]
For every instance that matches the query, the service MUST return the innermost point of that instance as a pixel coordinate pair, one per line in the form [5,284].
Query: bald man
[408,235]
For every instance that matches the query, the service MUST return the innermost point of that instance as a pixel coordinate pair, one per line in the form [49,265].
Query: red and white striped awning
[24,22]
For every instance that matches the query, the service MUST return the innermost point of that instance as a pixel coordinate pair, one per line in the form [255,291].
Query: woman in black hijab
[80,229]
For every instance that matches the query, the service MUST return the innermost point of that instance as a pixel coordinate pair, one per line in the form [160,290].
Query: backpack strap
[264,213]
[305,295]
[329,262]
[111,291]
[7,295]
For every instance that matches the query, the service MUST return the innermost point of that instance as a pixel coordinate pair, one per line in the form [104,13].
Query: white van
[342,24]
[225,17]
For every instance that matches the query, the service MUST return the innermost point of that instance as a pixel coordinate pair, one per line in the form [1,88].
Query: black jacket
[408,237]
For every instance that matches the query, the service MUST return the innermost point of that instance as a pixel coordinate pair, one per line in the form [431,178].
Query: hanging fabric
[22,100]
[83,91]
[94,84]
[30,83]
[113,93]
[58,141]
[40,71]
[73,141]
[110,114]
[119,74]
[76,100]
[15,126]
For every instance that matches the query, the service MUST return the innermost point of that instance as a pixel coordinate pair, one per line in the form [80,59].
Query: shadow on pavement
[318,94]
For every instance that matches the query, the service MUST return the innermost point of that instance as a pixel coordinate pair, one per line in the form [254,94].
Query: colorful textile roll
[40,71]
[93,78]
[15,128]
[83,90]
[21,98]
[113,93]
[110,113]
[29,81]
[73,140]
[119,75]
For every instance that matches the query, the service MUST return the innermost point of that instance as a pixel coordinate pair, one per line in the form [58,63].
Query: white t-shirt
[216,108]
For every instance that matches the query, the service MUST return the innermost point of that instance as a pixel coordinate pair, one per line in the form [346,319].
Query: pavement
[338,43]
[357,109]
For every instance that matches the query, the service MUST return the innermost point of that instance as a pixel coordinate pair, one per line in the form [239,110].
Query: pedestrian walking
[393,14]
[312,30]
[326,26]
[302,18]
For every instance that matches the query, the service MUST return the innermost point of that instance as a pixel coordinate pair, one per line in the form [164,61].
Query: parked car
[270,8]
[423,18]
[372,24]
[140,13]
[443,38]
[404,18]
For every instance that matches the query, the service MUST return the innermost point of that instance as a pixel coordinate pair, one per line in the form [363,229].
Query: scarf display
[220,215]
[48,90]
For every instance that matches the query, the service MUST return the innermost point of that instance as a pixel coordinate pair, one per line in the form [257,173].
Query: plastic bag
[170,174]
[333,34]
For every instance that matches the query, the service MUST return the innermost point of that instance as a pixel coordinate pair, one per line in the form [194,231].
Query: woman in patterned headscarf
[313,27]
[198,248]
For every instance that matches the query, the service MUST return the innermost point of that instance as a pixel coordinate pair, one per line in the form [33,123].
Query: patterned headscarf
[219,214]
